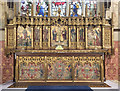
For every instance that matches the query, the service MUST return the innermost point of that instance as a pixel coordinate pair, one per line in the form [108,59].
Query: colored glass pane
[26,5]
[92,6]
[55,5]
[42,7]
[76,7]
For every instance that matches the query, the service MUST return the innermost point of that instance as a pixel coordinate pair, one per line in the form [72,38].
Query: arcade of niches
[59,44]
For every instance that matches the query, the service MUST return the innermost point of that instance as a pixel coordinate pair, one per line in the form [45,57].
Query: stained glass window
[55,4]
[42,7]
[92,6]
[26,5]
[76,7]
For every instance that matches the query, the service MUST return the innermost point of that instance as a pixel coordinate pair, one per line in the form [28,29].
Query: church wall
[6,65]
[112,63]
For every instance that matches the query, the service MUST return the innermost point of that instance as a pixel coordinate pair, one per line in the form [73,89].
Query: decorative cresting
[58,33]
[46,68]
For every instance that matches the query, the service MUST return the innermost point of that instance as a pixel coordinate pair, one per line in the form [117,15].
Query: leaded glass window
[76,7]
[26,5]
[92,6]
[42,7]
[56,4]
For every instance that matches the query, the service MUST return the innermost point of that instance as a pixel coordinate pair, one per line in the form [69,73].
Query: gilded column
[86,25]
[40,37]
[69,39]
[5,30]
[77,38]
[16,70]
[5,37]
[15,44]
[73,70]
[46,69]
[103,26]
[102,70]
[32,38]
[112,32]
[14,22]
[49,37]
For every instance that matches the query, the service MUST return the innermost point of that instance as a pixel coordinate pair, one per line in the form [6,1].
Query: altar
[59,49]
[59,66]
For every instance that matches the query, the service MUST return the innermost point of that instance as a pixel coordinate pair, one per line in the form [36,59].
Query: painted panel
[73,34]
[24,36]
[89,69]
[37,34]
[94,36]
[59,36]
[59,68]
[31,69]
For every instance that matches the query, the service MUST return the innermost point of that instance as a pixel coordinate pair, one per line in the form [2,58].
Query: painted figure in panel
[45,34]
[81,34]
[59,35]
[37,34]
[24,36]
[94,36]
[73,34]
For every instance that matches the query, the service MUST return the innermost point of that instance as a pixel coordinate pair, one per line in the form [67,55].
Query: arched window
[76,7]
[92,7]
[42,7]
[55,4]
[26,5]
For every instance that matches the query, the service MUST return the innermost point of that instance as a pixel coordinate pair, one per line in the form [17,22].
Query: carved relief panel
[107,37]
[11,37]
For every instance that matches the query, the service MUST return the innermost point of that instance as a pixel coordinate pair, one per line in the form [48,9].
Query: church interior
[59,42]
